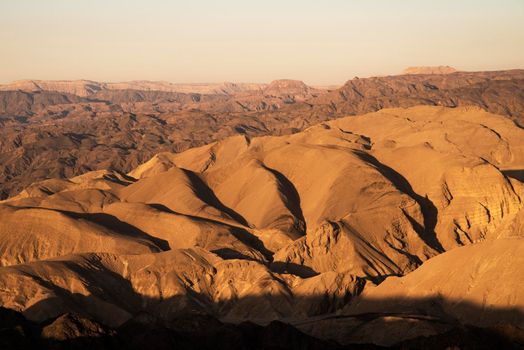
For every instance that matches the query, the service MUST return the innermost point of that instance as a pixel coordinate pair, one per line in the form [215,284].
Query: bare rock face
[429,70]
[288,228]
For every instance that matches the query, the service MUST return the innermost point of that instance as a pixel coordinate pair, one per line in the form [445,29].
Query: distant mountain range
[85,88]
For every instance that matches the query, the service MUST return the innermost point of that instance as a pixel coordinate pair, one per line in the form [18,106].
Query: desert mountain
[83,126]
[304,228]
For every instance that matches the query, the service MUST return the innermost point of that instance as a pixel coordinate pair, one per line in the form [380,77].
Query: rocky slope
[288,228]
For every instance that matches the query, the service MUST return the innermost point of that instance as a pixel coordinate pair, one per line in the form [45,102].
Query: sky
[318,41]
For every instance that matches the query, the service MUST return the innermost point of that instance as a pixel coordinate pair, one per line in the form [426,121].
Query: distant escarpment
[429,70]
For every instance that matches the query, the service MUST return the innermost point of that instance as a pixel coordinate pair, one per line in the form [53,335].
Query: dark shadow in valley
[228,253]
[292,202]
[192,321]
[114,224]
[208,196]
[292,268]
[517,174]
[241,234]
[429,211]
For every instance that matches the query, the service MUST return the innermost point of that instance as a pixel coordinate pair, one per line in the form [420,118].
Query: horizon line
[110,81]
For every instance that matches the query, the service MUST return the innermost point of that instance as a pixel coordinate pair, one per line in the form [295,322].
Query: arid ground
[387,212]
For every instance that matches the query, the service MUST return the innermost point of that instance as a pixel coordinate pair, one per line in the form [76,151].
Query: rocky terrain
[57,129]
[402,227]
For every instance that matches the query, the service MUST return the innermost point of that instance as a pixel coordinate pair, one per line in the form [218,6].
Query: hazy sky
[320,41]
